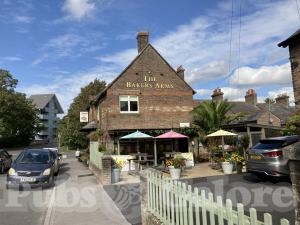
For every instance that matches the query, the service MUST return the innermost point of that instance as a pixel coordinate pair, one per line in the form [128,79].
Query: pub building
[148,95]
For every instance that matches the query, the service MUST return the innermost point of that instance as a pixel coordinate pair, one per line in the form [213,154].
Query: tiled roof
[41,100]
[281,111]
[286,42]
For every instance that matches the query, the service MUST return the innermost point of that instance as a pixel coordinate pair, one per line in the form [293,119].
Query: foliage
[244,141]
[269,100]
[177,162]
[237,158]
[19,122]
[70,126]
[95,135]
[210,116]
[119,163]
[102,148]
[226,158]
[293,125]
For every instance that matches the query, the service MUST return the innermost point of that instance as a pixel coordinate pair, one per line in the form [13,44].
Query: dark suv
[5,161]
[266,157]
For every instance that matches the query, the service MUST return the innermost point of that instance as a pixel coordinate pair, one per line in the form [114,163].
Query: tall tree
[211,116]
[18,116]
[69,127]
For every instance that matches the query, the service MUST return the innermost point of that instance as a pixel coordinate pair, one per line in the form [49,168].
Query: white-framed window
[129,104]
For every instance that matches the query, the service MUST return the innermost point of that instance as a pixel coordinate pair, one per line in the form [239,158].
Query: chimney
[180,72]
[142,40]
[283,99]
[251,97]
[217,95]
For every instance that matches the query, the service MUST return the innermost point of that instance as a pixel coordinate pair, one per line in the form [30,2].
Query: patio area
[199,170]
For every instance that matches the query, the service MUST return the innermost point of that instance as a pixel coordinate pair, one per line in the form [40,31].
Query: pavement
[77,198]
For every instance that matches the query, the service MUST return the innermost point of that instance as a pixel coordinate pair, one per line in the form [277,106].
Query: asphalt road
[77,198]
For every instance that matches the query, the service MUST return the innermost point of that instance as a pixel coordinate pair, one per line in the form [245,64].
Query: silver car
[266,157]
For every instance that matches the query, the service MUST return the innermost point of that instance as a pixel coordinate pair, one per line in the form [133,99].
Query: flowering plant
[226,158]
[176,162]
[119,164]
[236,157]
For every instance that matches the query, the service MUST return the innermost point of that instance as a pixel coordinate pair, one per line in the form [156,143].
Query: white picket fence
[176,203]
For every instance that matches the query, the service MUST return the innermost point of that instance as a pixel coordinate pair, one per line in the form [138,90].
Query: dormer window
[129,104]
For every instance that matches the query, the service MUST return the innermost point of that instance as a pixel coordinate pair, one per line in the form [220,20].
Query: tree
[18,116]
[70,126]
[211,116]
[292,126]
[269,100]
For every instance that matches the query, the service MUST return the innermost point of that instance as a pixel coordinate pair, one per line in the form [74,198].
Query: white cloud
[66,88]
[202,46]
[210,71]
[264,75]
[11,58]
[24,19]
[79,9]
[40,59]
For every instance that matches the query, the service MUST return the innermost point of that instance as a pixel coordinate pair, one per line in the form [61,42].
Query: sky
[59,46]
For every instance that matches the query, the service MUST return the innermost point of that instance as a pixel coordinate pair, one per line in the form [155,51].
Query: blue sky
[59,46]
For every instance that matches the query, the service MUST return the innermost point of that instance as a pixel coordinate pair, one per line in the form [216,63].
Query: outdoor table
[140,163]
[129,165]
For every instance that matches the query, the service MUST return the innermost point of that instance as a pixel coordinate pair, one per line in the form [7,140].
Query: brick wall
[163,103]
[105,174]
[295,68]
[266,117]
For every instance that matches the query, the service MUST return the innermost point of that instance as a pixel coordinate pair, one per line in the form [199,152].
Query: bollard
[293,154]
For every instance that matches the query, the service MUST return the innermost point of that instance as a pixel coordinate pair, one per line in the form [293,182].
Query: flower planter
[116,175]
[227,167]
[239,167]
[175,172]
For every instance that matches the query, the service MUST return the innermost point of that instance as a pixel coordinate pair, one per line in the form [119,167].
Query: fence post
[211,208]
[240,209]
[229,212]
[253,216]
[220,210]
[203,205]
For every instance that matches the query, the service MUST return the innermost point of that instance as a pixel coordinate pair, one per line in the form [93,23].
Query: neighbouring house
[293,42]
[260,120]
[49,107]
[149,95]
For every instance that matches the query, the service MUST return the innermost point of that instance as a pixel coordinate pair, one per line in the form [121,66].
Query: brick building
[148,95]
[294,47]
[260,120]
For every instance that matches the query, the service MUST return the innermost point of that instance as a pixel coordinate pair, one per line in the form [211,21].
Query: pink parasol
[171,134]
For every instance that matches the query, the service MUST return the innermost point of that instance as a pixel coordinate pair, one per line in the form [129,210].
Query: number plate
[27,179]
[255,157]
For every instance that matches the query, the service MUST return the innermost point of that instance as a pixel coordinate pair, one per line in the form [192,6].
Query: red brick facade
[165,100]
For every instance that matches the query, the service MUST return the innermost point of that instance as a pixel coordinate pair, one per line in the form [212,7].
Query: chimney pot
[217,95]
[142,40]
[283,99]
[180,72]
[251,97]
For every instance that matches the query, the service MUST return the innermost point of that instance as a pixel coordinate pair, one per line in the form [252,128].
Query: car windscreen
[269,144]
[41,157]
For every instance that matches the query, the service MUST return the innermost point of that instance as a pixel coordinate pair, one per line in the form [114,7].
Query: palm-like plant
[211,116]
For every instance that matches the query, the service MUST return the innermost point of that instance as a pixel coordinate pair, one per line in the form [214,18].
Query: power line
[239,44]
[230,42]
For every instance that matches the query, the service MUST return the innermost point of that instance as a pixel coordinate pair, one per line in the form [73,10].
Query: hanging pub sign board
[84,117]
[184,125]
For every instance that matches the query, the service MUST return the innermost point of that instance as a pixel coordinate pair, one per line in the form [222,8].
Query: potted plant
[175,166]
[116,171]
[238,159]
[226,163]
